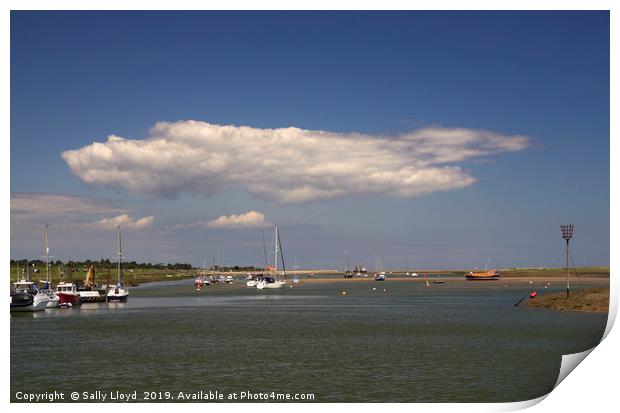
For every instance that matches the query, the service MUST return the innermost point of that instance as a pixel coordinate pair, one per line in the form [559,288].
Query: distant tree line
[129,265]
[103,263]
[234,268]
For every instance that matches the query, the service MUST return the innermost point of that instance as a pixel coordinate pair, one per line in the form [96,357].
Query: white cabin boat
[27,297]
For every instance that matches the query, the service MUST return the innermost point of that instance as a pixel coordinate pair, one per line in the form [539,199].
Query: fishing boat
[67,294]
[482,275]
[118,292]
[486,275]
[47,283]
[27,297]
[271,282]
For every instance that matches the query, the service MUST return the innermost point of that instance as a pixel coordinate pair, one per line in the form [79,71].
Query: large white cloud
[289,164]
[250,219]
[125,221]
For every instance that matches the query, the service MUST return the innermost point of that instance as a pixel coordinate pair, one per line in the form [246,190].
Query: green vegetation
[133,273]
[102,263]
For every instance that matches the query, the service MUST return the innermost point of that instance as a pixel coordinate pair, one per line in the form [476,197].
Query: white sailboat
[271,282]
[379,275]
[118,292]
[47,283]
[413,273]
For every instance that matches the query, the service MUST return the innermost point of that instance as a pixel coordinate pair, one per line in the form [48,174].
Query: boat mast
[282,256]
[120,255]
[275,266]
[346,261]
[265,250]
[47,258]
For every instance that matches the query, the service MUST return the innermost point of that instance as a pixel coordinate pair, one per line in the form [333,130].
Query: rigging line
[570,256]
[559,260]
[282,256]
[265,250]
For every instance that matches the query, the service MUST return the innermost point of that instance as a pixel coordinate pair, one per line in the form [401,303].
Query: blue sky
[402,82]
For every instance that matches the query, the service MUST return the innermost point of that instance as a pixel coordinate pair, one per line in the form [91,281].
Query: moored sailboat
[47,283]
[273,281]
[379,275]
[347,269]
[118,292]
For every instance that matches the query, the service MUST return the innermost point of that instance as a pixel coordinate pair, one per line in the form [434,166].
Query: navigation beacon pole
[567,234]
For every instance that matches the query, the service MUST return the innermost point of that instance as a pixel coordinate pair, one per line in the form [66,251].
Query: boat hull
[53,302]
[92,297]
[270,286]
[65,298]
[117,294]
[117,297]
[37,304]
[485,277]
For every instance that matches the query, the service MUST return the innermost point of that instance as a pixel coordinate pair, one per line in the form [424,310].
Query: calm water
[456,341]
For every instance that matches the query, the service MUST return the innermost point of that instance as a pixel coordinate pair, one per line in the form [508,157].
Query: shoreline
[591,300]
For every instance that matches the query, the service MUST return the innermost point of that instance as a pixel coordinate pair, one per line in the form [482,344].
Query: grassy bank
[135,276]
[589,300]
[140,276]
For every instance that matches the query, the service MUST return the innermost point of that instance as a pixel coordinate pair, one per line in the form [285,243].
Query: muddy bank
[588,300]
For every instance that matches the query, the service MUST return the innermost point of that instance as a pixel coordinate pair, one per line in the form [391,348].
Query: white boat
[54,300]
[379,275]
[360,271]
[413,273]
[229,279]
[251,280]
[27,297]
[271,282]
[118,292]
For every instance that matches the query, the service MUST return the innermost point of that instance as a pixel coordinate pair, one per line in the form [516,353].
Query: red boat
[67,294]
